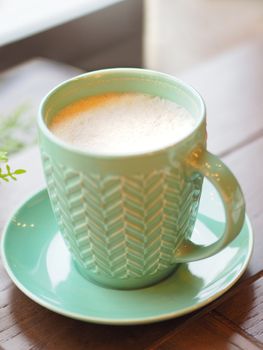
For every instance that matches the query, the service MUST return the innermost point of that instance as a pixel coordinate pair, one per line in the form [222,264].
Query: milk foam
[127,123]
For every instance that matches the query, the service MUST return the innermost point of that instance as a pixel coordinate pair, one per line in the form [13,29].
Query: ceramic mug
[128,220]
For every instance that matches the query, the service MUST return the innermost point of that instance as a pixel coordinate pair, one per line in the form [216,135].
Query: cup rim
[151,73]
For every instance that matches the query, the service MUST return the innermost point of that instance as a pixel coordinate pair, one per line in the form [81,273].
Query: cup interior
[122,80]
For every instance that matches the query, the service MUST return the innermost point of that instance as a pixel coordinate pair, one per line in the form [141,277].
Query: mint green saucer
[38,262]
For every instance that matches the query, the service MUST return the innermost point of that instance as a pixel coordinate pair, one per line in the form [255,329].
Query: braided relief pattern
[123,226]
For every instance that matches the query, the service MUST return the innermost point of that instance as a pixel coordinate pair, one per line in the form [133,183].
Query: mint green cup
[128,220]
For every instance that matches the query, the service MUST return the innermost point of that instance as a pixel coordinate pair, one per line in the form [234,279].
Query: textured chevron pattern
[123,226]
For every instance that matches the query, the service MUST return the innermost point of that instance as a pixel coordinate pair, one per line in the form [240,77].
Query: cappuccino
[122,123]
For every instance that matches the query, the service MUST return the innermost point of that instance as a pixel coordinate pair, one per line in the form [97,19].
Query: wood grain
[208,333]
[25,325]
[245,309]
[247,165]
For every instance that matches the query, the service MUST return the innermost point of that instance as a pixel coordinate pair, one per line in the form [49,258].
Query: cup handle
[234,205]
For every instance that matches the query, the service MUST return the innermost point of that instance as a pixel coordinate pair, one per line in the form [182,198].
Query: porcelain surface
[128,218]
[38,261]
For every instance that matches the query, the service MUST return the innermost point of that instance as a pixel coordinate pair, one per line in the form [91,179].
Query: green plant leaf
[19,171]
[9,173]
[3,177]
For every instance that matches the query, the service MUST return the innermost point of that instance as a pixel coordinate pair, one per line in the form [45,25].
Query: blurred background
[182,33]
[168,35]
[45,42]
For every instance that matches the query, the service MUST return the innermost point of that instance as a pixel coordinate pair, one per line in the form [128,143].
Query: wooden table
[232,86]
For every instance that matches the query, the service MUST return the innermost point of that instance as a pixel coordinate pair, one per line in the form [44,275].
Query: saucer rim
[116,321]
